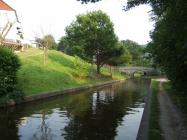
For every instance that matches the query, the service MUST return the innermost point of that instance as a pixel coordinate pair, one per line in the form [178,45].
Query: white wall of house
[9,17]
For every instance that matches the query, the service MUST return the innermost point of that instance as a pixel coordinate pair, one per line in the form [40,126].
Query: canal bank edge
[50,94]
[144,124]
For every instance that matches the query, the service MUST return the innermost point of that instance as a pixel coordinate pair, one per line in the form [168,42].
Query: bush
[9,65]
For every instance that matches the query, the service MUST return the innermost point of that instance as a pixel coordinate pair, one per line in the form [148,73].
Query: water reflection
[106,114]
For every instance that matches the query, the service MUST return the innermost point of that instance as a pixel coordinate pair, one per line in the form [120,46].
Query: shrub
[9,65]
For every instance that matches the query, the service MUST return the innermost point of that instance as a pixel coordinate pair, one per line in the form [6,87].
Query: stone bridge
[146,70]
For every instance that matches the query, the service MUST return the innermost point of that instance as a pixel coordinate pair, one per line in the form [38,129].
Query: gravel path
[170,118]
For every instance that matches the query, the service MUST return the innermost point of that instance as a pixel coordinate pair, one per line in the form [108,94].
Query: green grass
[154,128]
[61,71]
[180,100]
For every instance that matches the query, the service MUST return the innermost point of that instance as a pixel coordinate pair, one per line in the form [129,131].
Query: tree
[47,40]
[123,56]
[62,45]
[169,45]
[126,57]
[148,56]
[169,42]
[135,50]
[50,41]
[92,37]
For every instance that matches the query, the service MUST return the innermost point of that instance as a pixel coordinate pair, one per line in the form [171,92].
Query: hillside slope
[61,71]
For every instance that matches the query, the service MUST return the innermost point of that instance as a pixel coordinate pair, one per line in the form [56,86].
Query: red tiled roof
[5,6]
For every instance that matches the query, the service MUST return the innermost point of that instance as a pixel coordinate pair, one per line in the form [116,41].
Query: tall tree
[92,37]
[50,41]
[63,45]
[135,50]
[47,40]
[123,56]
[169,43]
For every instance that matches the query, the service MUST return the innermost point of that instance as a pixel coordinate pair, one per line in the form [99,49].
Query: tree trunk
[98,69]
[110,70]
[45,55]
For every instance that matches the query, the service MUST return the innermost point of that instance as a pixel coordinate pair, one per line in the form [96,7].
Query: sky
[41,17]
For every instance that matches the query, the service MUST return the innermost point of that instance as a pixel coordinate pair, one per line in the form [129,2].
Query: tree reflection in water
[44,132]
[102,117]
[94,115]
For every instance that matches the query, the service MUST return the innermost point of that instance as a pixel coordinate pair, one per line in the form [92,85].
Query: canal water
[113,112]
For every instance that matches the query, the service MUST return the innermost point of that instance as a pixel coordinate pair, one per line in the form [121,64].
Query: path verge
[161,118]
[170,118]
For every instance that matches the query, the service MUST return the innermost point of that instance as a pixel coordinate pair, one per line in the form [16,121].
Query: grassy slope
[60,72]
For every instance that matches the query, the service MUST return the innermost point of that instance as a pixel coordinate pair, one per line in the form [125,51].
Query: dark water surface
[113,112]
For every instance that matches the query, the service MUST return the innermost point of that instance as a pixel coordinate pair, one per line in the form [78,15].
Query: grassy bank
[180,100]
[61,71]
[154,128]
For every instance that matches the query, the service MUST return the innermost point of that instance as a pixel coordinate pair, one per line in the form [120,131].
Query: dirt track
[170,118]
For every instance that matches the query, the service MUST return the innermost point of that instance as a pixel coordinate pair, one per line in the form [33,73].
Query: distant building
[11,33]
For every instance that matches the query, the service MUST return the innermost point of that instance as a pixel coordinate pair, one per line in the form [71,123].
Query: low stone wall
[144,125]
[62,92]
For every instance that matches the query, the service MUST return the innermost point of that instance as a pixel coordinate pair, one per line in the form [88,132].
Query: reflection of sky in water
[51,128]
[113,112]
[32,128]
[128,129]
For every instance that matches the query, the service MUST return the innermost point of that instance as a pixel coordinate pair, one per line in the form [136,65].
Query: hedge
[9,65]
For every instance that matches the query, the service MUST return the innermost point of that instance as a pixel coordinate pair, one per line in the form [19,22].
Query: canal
[113,112]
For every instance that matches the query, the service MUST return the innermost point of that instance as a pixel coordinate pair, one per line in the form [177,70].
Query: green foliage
[135,50]
[92,37]
[148,56]
[126,57]
[8,79]
[123,56]
[132,54]
[169,43]
[169,38]
[47,40]
[62,45]
[50,41]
